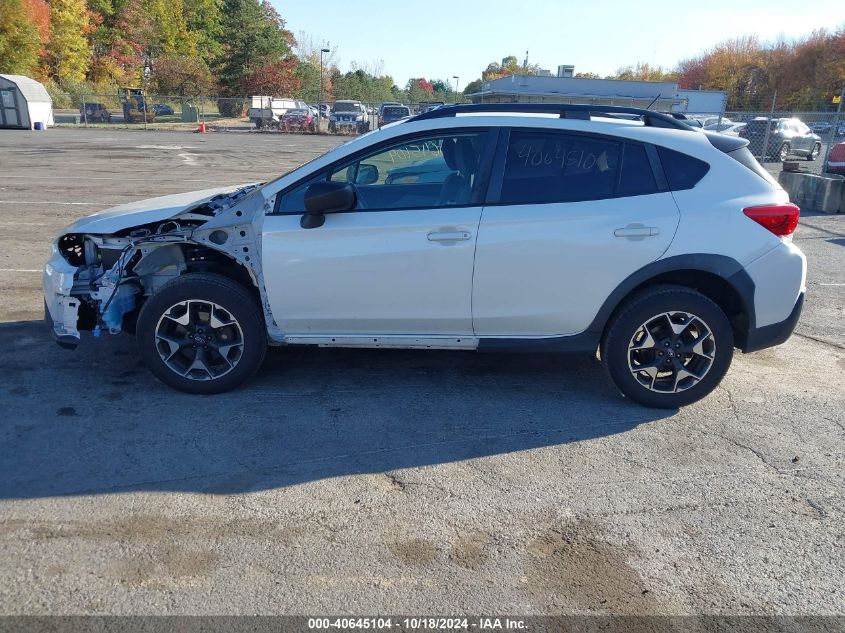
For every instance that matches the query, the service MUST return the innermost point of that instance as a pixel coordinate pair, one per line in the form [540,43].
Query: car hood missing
[150,210]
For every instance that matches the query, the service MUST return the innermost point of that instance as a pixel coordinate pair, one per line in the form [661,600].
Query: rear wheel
[814,153]
[667,347]
[202,333]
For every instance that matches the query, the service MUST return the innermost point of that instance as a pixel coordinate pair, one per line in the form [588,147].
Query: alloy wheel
[199,340]
[671,352]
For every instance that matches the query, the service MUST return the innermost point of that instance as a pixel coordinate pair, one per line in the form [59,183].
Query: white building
[564,88]
[23,103]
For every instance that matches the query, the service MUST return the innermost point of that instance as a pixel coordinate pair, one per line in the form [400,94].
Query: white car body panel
[545,270]
[779,277]
[144,211]
[371,272]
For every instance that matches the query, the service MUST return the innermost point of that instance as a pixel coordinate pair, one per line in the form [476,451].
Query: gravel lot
[348,481]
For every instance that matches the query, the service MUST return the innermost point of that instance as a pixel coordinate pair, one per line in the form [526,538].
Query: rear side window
[637,178]
[682,171]
[547,166]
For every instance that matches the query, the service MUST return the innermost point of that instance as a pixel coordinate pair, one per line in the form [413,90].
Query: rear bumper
[776,333]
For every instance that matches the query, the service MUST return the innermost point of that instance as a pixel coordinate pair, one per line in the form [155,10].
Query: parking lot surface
[355,481]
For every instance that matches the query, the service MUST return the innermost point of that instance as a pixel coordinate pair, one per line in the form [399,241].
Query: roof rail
[564,110]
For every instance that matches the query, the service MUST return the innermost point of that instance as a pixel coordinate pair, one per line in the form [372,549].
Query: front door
[400,263]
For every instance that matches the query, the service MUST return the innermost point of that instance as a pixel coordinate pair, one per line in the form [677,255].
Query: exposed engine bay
[99,282]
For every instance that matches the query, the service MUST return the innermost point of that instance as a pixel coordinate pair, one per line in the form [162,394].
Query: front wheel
[202,333]
[783,152]
[668,347]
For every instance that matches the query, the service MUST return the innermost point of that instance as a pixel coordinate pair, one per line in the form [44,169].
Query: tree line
[227,48]
[802,74]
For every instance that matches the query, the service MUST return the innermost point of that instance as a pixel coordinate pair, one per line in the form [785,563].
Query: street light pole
[457,81]
[320,97]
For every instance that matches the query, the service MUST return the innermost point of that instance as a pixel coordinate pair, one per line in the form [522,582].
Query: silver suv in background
[786,137]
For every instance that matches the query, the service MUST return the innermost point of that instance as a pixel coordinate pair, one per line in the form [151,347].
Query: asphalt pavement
[362,482]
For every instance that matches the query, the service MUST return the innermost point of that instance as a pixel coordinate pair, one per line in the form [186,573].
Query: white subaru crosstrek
[531,228]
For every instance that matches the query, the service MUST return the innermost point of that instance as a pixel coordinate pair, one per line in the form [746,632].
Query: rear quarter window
[682,171]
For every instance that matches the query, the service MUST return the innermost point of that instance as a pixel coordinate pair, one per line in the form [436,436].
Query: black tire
[646,307]
[233,301]
[814,153]
[783,152]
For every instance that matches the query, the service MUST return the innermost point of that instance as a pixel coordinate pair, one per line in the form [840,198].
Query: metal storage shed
[23,103]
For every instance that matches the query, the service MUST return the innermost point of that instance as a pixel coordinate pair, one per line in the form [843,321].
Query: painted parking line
[20,270]
[106,178]
[90,204]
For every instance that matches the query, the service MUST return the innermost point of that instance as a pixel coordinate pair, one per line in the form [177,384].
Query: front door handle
[637,231]
[449,236]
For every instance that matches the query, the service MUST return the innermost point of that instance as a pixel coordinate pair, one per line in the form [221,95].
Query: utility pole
[320,93]
[834,129]
[457,81]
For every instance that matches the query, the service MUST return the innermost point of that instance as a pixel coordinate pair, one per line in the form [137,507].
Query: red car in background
[298,120]
[836,159]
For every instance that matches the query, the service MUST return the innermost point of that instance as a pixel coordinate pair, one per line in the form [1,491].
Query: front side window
[427,172]
[546,166]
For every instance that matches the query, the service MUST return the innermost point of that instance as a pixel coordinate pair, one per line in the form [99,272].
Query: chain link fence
[774,135]
[155,111]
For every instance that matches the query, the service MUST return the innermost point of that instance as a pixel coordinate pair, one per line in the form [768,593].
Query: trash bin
[190,114]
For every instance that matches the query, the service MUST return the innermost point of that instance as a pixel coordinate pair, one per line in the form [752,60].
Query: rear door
[572,216]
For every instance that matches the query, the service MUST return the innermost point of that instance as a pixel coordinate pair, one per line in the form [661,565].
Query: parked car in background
[298,120]
[821,127]
[162,109]
[786,137]
[389,114]
[348,116]
[385,104]
[836,159]
[268,111]
[731,128]
[95,112]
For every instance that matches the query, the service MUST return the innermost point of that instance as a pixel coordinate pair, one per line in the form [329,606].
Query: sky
[439,39]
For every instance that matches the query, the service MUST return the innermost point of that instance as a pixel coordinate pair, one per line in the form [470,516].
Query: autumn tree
[69,50]
[255,38]
[182,75]
[642,71]
[509,66]
[19,39]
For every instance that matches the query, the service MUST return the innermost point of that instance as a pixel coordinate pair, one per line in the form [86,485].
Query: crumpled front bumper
[61,310]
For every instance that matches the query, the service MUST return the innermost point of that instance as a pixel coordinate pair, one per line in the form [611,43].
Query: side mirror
[326,197]
[367,174]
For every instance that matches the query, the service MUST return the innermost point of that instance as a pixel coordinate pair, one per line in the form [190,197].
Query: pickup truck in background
[267,112]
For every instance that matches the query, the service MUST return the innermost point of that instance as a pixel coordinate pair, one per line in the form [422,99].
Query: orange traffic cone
[201,128]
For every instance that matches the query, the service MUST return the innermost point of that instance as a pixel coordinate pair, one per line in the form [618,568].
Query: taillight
[780,219]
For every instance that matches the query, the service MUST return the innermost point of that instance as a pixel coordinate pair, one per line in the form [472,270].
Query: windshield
[347,107]
[759,125]
[394,111]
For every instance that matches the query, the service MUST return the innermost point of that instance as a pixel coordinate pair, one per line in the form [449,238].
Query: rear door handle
[636,231]
[449,236]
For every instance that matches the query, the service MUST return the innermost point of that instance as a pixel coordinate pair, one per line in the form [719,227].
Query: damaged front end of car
[103,269]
